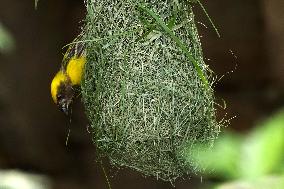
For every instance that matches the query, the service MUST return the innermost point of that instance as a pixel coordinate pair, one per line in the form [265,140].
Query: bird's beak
[64,108]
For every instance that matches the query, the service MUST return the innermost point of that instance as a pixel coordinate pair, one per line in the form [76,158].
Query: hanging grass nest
[146,89]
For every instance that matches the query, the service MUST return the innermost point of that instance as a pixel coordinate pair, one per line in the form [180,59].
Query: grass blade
[178,42]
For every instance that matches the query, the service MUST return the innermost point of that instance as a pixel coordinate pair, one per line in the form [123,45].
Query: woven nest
[145,101]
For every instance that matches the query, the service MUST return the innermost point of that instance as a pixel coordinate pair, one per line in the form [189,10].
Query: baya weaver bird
[68,77]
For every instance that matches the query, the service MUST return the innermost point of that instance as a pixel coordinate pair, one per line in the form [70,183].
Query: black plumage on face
[65,96]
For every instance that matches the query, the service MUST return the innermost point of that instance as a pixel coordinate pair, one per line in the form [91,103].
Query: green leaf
[263,151]
[7,42]
[222,160]
[268,182]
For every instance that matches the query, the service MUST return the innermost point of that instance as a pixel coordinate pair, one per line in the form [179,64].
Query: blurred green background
[33,132]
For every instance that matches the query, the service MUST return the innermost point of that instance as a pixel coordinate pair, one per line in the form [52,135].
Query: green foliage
[222,160]
[263,151]
[7,43]
[250,159]
[268,182]
[143,93]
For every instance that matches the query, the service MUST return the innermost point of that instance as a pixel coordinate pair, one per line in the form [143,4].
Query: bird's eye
[59,97]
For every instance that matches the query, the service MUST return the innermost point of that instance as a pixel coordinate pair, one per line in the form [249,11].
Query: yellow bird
[69,76]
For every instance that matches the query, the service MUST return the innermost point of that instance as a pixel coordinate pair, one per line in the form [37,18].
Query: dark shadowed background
[33,131]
